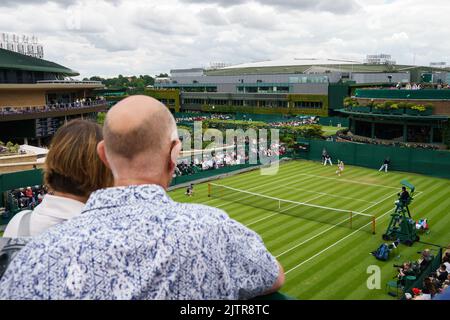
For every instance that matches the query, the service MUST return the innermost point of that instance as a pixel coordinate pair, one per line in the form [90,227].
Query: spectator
[41,196]
[29,193]
[132,241]
[405,271]
[442,273]
[429,290]
[446,262]
[73,152]
[425,259]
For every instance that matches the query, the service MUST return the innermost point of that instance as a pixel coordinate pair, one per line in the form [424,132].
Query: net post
[209,190]
[373,224]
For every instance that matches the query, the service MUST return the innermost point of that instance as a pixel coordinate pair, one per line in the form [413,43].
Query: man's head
[403,188]
[141,144]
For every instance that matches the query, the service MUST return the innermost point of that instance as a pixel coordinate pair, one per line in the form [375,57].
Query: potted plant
[395,109]
[417,110]
[351,103]
[379,108]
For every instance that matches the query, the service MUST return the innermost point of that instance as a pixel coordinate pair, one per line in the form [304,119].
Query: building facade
[408,116]
[301,86]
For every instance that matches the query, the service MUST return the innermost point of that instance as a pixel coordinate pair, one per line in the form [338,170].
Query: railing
[387,143]
[51,108]
[68,82]
[395,94]
[398,112]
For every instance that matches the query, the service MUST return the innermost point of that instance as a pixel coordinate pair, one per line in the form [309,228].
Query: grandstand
[38,96]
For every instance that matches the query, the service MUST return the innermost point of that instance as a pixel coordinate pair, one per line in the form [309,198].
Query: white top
[447,265]
[53,210]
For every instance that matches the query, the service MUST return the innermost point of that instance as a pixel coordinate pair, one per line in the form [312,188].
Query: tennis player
[340,169]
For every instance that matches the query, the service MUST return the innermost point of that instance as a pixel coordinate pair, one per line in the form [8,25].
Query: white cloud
[99,37]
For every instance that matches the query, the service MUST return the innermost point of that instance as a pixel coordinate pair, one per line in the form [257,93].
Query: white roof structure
[40,152]
[293,62]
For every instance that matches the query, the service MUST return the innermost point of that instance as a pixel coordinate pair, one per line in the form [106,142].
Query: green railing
[425,94]
[398,112]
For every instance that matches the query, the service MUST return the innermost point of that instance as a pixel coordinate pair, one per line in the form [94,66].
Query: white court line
[327,194]
[315,236]
[261,185]
[346,180]
[337,242]
[256,187]
[279,212]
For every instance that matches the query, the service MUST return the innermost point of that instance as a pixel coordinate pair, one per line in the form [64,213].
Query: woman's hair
[72,165]
[428,286]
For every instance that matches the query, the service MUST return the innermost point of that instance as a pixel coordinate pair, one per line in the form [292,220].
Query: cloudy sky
[132,37]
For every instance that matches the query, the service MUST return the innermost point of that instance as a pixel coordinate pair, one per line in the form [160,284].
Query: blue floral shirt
[136,243]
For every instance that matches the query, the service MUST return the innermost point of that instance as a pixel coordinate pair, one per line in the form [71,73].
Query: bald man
[132,241]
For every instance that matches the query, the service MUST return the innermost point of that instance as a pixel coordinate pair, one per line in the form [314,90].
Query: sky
[134,37]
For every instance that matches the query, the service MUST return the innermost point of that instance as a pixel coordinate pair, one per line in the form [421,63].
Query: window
[437,135]
[282,89]
[237,102]
[308,104]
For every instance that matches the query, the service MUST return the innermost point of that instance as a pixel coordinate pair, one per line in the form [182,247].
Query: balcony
[397,112]
[52,111]
[423,94]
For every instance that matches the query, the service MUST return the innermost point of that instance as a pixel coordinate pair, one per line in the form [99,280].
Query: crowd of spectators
[296,122]
[53,106]
[25,198]
[389,143]
[418,86]
[433,284]
[192,117]
[220,159]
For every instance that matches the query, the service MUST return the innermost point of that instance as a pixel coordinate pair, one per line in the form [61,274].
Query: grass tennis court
[329,261]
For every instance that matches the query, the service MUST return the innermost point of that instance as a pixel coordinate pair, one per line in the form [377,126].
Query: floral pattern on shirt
[136,243]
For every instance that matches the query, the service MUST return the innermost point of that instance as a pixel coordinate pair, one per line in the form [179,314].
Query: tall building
[37,97]
[298,86]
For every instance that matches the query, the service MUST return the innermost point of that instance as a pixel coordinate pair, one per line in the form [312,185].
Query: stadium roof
[17,61]
[293,66]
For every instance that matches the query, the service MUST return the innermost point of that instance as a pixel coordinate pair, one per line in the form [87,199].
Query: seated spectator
[132,241]
[404,272]
[446,262]
[426,259]
[429,289]
[442,273]
[72,172]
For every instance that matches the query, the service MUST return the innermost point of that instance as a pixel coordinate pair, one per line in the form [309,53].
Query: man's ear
[175,152]
[102,153]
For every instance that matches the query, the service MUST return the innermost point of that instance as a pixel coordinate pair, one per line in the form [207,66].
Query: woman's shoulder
[14,227]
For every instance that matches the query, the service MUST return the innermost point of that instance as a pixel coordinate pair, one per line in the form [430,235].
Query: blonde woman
[72,172]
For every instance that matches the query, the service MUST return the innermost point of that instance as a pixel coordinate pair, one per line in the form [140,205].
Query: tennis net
[338,217]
